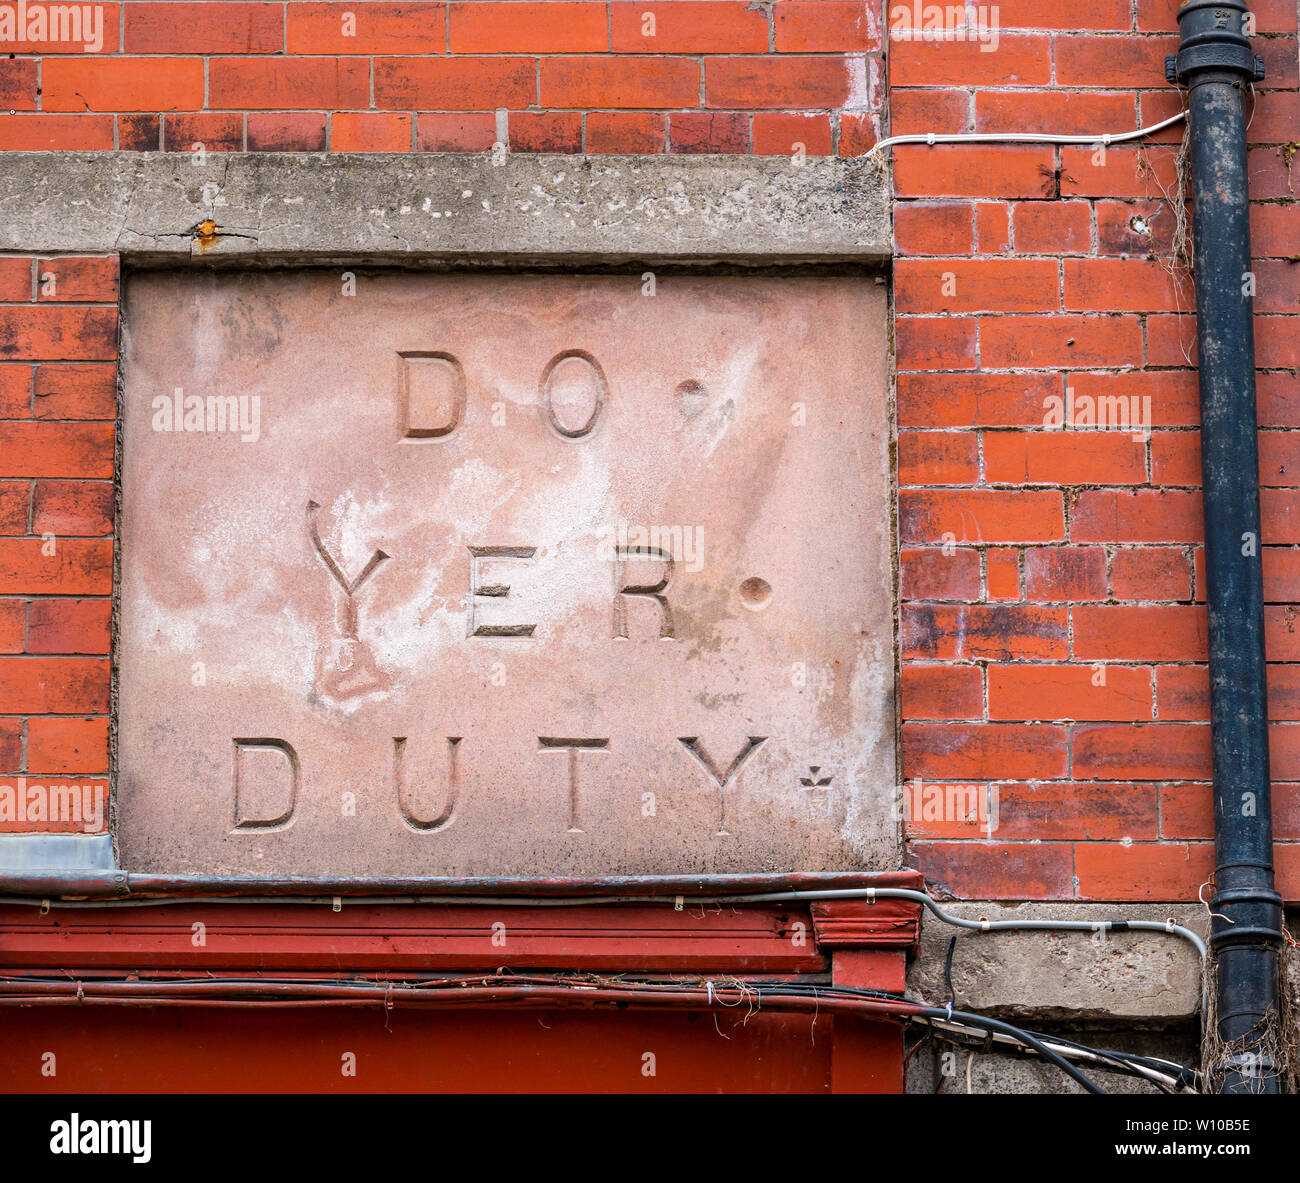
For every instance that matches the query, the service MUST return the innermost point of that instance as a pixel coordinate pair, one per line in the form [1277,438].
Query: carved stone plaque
[430,574]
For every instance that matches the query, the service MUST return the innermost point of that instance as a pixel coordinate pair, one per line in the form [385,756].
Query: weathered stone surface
[394,584]
[309,207]
[1073,975]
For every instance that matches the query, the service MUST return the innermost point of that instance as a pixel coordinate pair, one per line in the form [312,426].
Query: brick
[993,232]
[990,632]
[123,84]
[1137,285]
[48,133]
[69,626]
[1277,344]
[1052,111]
[73,508]
[139,133]
[1278,406]
[1176,458]
[700,26]
[971,170]
[1275,229]
[1062,574]
[369,131]
[1278,285]
[13,625]
[1143,871]
[15,391]
[16,280]
[1142,751]
[825,26]
[1280,514]
[625,132]
[553,27]
[1061,341]
[11,746]
[78,567]
[215,28]
[1063,458]
[53,685]
[279,83]
[931,229]
[18,84]
[1187,811]
[545,131]
[1020,60]
[619,82]
[1171,398]
[1111,61]
[778,134]
[217,132]
[974,400]
[1159,573]
[1002,574]
[14,496]
[82,279]
[994,751]
[1077,14]
[1052,228]
[981,515]
[752,82]
[56,449]
[1171,341]
[68,746]
[942,692]
[85,40]
[461,84]
[859,133]
[378,28]
[1118,172]
[1140,633]
[73,391]
[708,131]
[938,458]
[1055,812]
[1281,575]
[918,112]
[1281,632]
[997,870]
[442,131]
[977,285]
[286,131]
[930,343]
[931,574]
[1048,692]
[1134,227]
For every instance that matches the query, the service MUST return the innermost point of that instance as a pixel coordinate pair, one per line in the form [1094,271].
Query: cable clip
[871,895]
[80,992]
[45,907]
[984,924]
[709,986]
[929,138]
[338,903]
[1106,139]
[950,1012]
[678,901]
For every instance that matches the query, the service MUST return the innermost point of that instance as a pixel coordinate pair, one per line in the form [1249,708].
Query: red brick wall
[1052,619]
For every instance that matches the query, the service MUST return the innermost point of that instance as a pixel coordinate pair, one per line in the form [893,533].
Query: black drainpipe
[1216,64]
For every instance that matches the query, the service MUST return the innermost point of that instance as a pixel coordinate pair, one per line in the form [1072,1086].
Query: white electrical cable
[1027,137]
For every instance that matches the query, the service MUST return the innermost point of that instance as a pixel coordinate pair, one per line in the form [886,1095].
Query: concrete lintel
[1150,978]
[456,209]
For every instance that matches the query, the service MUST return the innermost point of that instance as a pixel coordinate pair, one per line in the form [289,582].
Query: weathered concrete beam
[1143,977]
[398,208]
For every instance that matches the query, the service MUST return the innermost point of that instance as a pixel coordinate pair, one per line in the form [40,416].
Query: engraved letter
[433,394]
[696,749]
[494,590]
[573,747]
[243,790]
[651,591]
[445,818]
[573,393]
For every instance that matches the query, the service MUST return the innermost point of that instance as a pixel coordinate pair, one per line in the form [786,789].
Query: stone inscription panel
[504,575]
